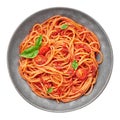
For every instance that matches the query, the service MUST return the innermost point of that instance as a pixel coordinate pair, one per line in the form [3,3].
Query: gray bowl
[23,89]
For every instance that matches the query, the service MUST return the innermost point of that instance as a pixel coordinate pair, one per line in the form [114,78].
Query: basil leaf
[38,41]
[32,51]
[28,50]
[30,54]
[75,65]
[64,26]
[49,90]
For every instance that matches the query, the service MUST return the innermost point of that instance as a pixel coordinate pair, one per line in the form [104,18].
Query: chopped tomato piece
[43,81]
[59,91]
[57,65]
[77,57]
[48,85]
[54,33]
[71,72]
[93,70]
[64,50]
[86,48]
[38,85]
[44,49]
[81,73]
[40,59]
[58,30]
[62,33]
[79,46]
[83,46]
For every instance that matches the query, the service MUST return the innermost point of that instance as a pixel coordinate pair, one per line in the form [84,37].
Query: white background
[13,106]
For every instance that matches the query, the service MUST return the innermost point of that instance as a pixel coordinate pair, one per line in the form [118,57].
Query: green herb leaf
[32,51]
[64,26]
[49,90]
[30,54]
[75,65]
[28,50]
[38,41]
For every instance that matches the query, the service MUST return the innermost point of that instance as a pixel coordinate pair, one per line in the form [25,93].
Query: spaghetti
[65,66]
